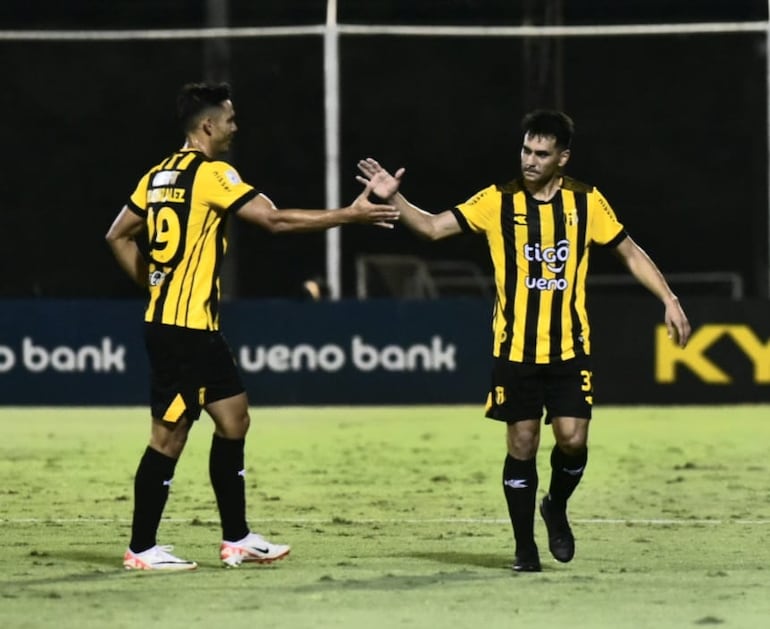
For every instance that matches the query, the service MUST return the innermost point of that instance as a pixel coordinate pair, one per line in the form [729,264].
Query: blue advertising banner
[361,352]
[370,352]
[72,352]
[380,352]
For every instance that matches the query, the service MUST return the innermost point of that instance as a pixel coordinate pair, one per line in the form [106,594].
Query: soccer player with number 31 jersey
[540,228]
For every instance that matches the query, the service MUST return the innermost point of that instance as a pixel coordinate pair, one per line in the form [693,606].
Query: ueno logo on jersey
[554,259]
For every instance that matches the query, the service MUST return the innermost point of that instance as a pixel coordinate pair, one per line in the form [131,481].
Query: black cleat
[527,561]
[561,541]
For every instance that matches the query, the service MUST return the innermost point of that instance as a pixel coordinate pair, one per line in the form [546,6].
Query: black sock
[566,472]
[227,478]
[151,487]
[520,487]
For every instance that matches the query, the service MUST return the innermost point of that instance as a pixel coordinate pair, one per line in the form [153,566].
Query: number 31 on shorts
[587,385]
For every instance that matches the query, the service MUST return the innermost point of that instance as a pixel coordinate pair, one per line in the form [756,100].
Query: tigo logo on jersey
[553,257]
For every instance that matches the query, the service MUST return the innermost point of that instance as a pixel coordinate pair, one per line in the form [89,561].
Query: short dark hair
[196,98]
[546,122]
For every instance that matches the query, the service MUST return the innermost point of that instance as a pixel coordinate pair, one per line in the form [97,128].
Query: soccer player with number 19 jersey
[182,206]
[539,229]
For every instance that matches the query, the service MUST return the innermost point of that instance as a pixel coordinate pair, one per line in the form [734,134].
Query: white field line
[610,521]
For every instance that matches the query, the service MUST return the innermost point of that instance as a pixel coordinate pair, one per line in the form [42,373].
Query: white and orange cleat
[252,548]
[156,558]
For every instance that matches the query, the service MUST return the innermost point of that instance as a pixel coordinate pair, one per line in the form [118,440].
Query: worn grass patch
[396,519]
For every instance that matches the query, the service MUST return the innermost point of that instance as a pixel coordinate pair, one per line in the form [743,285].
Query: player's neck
[193,142]
[544,191]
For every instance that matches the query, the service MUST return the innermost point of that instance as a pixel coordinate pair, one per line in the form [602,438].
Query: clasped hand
[381,183]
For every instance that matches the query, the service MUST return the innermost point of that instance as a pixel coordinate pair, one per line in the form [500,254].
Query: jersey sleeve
[604,226]
[478,212]
[137,202]
[220,185]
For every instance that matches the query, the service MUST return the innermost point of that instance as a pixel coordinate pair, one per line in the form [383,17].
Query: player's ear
[206,126]
[564,157]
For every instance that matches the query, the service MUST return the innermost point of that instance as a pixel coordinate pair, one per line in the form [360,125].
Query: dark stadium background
[673,129]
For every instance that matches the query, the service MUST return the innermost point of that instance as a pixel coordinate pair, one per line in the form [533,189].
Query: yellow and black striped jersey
[185,201]
[539,252]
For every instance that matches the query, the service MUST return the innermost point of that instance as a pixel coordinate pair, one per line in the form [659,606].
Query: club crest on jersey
[156,278]
[570,217]
[233,177]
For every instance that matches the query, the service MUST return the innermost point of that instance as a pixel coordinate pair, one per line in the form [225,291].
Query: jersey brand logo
[520,219]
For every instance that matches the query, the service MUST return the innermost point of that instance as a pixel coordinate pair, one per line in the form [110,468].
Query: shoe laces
[165,551]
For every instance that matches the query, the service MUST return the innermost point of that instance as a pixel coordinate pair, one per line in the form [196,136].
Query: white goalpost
[331,30]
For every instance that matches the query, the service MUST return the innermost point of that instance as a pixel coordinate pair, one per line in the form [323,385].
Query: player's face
[541,159]
[223,127]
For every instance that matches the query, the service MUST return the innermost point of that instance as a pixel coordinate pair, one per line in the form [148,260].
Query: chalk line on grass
[608,521]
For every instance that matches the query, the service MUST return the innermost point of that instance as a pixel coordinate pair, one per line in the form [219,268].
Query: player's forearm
[647,273]
[129,258]
[296,220]
[419,221]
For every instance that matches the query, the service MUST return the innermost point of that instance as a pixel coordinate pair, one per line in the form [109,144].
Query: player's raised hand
[383,184]
[376,213]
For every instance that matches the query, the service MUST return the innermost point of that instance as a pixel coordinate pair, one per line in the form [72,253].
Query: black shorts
[521,390]
[188,369]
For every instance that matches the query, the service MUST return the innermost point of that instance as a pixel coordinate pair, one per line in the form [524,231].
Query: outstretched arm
[385,186]
[643,269]
[122,240]
[262,211]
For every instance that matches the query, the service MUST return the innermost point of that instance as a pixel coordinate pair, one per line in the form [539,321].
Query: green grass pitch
[396,519]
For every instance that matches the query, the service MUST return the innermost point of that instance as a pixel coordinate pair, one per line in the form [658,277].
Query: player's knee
[234,427]
[572,444]
[169,442]
[522,451]
[523,445]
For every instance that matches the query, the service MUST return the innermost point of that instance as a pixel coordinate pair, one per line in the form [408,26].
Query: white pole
[767,166]
[332,113]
